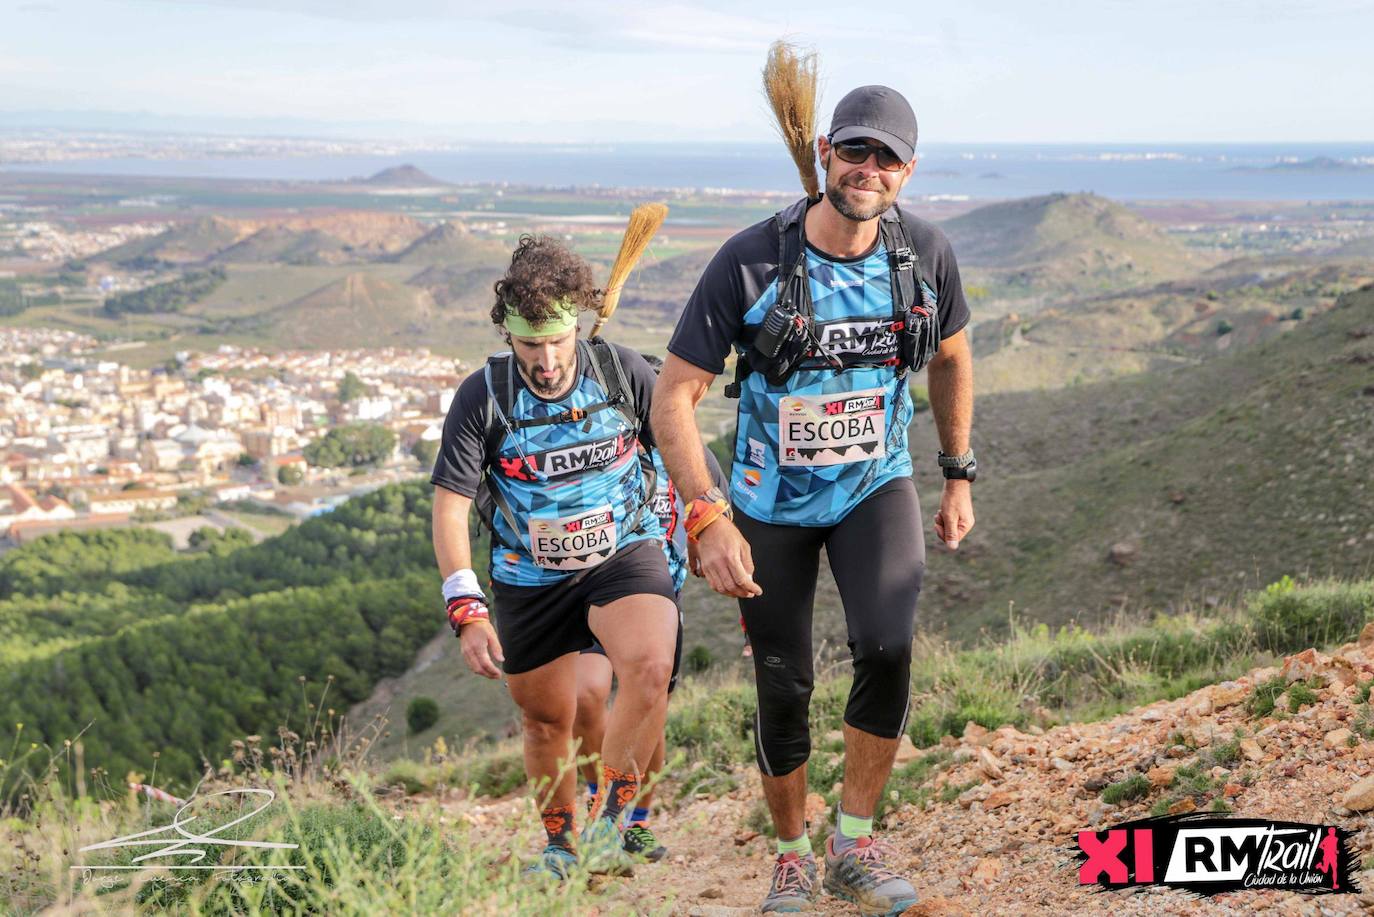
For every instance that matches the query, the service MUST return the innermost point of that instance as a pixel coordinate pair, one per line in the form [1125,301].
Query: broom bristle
[644,222]
[789,82]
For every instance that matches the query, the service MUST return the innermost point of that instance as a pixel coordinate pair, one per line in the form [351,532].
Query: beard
[545,387]
[836,193]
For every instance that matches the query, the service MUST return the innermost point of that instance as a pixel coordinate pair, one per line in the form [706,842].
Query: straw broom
[789,82]
[644,222]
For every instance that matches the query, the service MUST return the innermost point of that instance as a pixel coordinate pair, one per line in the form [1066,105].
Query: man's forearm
[450,526]
[675,431]
[950,383]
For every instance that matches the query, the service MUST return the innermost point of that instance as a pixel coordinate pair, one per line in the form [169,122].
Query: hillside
[1182,484]
[356,308]
[1066,241]
[189,243]
[1038,740]
[285,246]
[1226,309]
[451,245]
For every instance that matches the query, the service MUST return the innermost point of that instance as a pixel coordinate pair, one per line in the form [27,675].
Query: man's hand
[693,558]
[481,648]
[955,517]
[726,561]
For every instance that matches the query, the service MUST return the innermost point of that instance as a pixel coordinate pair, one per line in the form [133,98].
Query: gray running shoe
[794,885]
[553,864]
[601,849]
[861,876]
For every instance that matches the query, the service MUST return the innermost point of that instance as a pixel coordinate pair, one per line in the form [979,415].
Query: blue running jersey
[808,451]
[576,490]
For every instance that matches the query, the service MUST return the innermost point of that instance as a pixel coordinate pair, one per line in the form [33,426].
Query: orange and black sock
[558,824]
[619,789]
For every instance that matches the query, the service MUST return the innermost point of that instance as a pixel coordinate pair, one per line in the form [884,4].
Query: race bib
[573,542]
[833,429]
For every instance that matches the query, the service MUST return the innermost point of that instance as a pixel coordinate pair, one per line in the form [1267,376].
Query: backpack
[500,374]
[915,317]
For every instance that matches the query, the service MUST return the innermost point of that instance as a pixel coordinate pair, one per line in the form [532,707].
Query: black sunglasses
[856,152]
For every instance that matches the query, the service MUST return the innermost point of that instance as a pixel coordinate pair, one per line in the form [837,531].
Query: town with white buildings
[87,441]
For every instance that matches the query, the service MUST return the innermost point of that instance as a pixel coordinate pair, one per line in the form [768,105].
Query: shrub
[699,659]
[1134,788]
[421,713]
[1288,618]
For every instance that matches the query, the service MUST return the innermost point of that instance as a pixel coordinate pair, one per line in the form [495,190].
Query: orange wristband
[701,513]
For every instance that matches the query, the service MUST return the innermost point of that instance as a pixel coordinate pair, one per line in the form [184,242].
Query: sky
[536,71]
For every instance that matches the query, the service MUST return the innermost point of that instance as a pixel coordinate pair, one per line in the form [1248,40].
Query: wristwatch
[958,467]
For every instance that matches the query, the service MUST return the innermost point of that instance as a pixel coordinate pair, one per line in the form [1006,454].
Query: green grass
[1128,790]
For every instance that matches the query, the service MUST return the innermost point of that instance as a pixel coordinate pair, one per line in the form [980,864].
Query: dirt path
[1004,846]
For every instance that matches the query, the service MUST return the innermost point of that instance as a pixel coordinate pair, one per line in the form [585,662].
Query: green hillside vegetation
[11,297]
[366,848]
[354,445]
[150,652]
[171,296]
[1151,489]
[1232,307]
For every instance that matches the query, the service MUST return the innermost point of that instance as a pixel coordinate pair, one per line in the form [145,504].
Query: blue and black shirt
[574,488]
[808,451]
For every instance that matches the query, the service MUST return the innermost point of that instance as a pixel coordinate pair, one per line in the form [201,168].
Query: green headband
[565,320]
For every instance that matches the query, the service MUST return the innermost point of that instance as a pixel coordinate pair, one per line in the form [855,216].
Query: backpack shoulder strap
[791,226]
[609,372]
[904,264]
[499,372]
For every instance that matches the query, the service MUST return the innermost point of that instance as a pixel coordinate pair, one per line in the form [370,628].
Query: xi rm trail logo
[1208,855]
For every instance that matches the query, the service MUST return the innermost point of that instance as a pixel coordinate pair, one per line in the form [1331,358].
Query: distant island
[403,176]
[1315,164]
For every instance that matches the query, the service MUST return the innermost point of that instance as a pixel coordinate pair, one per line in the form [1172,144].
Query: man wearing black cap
[829,306]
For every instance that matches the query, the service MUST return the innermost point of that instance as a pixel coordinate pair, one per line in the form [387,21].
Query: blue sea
[975,171]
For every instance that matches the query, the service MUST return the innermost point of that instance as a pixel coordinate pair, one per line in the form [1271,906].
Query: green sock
[850,828]
[801,846]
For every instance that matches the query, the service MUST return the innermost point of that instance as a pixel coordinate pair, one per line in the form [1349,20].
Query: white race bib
[833,429]
[573,542]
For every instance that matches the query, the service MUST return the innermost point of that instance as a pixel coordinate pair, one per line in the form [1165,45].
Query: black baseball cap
[877,112]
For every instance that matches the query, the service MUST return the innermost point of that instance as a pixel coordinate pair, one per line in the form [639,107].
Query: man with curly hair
[546,441]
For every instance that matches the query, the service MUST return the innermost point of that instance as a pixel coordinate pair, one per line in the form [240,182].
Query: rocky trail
[999,838]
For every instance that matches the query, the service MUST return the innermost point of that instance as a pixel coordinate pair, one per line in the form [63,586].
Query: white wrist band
[461,583]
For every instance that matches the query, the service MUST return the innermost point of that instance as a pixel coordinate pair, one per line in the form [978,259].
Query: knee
[548,722]
[883,655]
[591,703]
[647,677]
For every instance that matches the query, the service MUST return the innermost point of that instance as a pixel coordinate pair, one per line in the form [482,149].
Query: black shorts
[597,648]
[537,624]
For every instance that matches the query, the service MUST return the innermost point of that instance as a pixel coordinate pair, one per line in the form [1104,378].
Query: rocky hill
[358,307]
[324,238]
[452,246]
[1068,242]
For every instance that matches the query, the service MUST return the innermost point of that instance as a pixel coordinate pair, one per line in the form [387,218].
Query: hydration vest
[915,318]
[500,374]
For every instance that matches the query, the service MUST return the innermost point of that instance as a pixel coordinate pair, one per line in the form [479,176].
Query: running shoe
[603,851]
[553,864]
[639,840]
[794,885]
[862,876]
